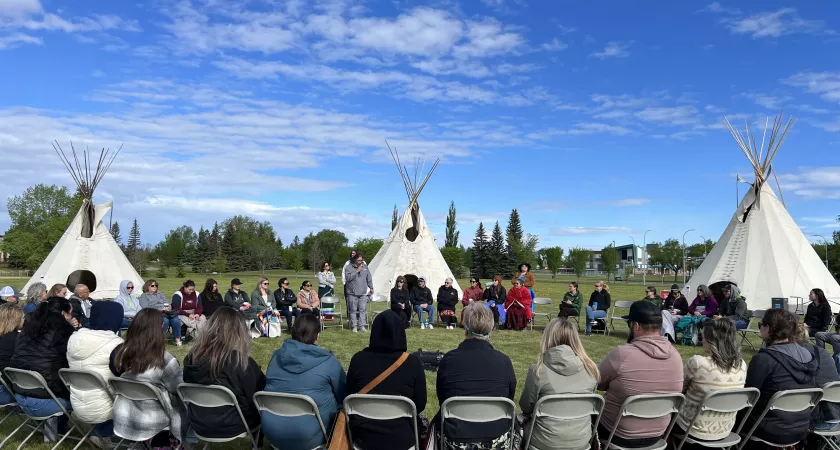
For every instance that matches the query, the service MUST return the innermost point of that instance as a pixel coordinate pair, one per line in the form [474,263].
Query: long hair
[707,293]
[820,296]
[260,286]
[208,293]
[38,321]
[721,337]
[323,264]
[222,335]
[604,286]
[144,347]
[561,332]
[397,283]
[149,283]
[34,293]
[55,290]
[280,283]
[11,317]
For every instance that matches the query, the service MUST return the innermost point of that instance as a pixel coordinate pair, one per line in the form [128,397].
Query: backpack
[430,360]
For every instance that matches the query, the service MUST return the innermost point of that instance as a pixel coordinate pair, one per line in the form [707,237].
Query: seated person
[734,307]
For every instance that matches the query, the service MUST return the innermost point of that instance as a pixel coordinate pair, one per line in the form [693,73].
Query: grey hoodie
[358,283]
[156,300]
[561,372]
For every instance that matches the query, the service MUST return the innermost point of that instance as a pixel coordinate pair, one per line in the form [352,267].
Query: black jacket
[491,294]
[282,301]
[221,422]
[45,354]
[78,313]
[210,304]
[387,343]
[421,295]
[679,304]
[603,298]
[475,369]
[447,298]
[400,297]
[7,348]
[817,317]
[780,367]
[735,309]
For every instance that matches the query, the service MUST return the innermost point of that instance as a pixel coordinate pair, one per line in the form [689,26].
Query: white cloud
[829,220]
[824,84]
[19,8]
[679,115]
[425,31]
[598,128]
[767,101]
[774,24]
[555,45]
[812,109]
[814,183]
[16,39]
[717,8]
[580,231]
[630,202]
[614,49]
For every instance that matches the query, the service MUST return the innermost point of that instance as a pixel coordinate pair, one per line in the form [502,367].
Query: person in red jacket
[189,307]
[471,294]
[518,306]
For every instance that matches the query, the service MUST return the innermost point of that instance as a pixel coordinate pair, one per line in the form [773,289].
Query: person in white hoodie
[130,303]
[90,349]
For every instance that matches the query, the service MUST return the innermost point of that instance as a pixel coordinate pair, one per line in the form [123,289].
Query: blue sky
[595,126]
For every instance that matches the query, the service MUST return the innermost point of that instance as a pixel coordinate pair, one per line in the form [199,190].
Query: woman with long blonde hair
[563,367]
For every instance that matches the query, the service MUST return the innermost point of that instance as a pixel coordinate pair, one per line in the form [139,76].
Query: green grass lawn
[522,347]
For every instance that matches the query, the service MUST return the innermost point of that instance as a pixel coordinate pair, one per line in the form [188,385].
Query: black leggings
[567,311]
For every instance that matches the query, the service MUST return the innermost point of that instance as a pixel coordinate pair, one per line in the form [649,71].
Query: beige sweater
[702,377]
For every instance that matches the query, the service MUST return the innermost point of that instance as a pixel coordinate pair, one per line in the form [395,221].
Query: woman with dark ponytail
[42,347]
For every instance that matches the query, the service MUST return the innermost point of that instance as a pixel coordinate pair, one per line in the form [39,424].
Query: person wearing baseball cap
[647,364]
[9,295]
[237,299]
[673,310]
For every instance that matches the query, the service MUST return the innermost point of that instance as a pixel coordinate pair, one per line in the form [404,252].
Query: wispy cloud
[824,84]
[814,183]
[767,100]
[580,231]
[630,202]
[614,49]
[16,39]
[555,45]
[773,24]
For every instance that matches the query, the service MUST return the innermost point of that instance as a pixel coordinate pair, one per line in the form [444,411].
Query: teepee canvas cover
[87,253]
[762,250]
[410,249]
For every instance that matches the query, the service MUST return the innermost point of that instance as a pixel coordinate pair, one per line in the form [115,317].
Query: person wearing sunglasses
[517,306]
[447,298]
[471,294]
[130,304]
[401,301]
[260,302]
[285,301]
[153,298]
[651,297]
[307,300]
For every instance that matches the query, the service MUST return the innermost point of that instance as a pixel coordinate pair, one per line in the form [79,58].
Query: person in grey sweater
[358,279]
[562,368]
[734,306]
[153,298]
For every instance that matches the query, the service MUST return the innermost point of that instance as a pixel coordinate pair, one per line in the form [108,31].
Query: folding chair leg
[84,438]
[830,441]
[10,414]
[34,430]
[66,435]
[745,339]
[206,444]
[25,422]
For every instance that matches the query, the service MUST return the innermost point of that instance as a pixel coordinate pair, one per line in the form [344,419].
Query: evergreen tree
[451,228]
[394,218]
[479,253]
[497,259]
[132,248]
[295,242]
[204,254]
[115,233]
[513,233]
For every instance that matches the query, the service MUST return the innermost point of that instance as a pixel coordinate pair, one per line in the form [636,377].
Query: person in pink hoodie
[647,364]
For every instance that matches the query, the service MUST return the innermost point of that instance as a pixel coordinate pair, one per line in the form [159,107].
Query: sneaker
[179,342]
[363,330]
[430,326]
[588,333]
[355,330]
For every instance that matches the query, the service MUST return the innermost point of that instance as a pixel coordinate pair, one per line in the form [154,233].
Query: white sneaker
[431,326]
[355,330]
[363,330]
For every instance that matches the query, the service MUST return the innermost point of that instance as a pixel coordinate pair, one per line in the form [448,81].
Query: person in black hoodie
[42,347]
[476,369]
[782,365]
[401,300]
[818,315]
[210,298]
[285,301]
[421,295]
[599,304]
[221,357]
[387,344]
[11,321]
[447,298]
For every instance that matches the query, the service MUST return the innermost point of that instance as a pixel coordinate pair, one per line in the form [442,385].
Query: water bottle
[595,306]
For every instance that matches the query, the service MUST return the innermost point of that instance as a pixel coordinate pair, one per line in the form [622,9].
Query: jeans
[832,338]
[104,429]
[740,325]
[173,322]
[430,313]
[5,397]
[592,314]
[40,407]
[288,315]
[357,305]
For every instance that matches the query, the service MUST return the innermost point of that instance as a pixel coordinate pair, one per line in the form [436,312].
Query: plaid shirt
[141,420]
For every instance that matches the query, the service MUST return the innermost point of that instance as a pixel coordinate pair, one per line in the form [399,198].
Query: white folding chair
[376,298]
[335,318]
[215,396]
[794,400]
[722,402]
[477,410]
[289,405]
[541,301]
[649,406]
[381,407]
[27,379]
[614,315]
[565,407]
[754,318]
[831,394]
[136,391]
[85,381]
[12,404]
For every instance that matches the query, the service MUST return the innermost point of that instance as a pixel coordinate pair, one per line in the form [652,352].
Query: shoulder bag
[338,437]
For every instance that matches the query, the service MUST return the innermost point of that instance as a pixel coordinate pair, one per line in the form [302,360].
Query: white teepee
[87,253]
[410,249]
[763,251]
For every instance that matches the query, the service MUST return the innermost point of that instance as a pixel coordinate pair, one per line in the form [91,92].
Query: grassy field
[521,347]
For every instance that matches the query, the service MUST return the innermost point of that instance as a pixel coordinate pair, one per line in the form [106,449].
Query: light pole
[705,253]
[826,247]
[683,245]
[644,258]
[634,252]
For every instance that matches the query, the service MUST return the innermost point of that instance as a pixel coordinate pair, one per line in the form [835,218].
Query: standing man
[358,284]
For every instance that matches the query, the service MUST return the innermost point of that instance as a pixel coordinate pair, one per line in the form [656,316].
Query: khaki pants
[195,325]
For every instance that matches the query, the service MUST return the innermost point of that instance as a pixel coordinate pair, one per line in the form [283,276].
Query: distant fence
[15,273]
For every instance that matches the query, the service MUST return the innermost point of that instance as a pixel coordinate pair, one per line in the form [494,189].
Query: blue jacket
[298,368]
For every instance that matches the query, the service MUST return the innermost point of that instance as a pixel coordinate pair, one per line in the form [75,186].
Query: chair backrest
[566,407]
[477,409]
[622,304]
[83,380]
[794,400]
[330,299]
[135,390]
[289,405]
[26,379]
[831,392]
[8,390]
[757,314]
[382,407]
[649,406]
[725,401]
[379,298]
[542,300]
[210,396]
